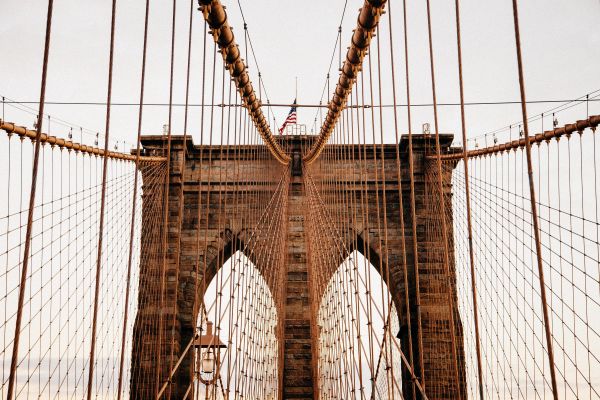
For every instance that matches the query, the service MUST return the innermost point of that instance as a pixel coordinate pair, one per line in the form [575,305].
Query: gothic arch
[219,250]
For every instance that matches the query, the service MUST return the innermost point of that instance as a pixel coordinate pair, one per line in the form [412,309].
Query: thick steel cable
[587,98]
[196,307]
[364,205]
[47,264]
[134,197]
[236,264]
[411,173]
[216,17]
[326,83]
[368,353]
[165,202]
[181,185]
[181,192]
[467,192]
[220,223]
[521,228]
[352,221]
[578,126]
[10,127]
[261,82]
[148,281]
[32,194]
[560,228]
[513,212]
[336,183]
[401,204]
[330,224]
[255,154]
[384,195]
[368,20]
[204,316]
[103,201]
[532,196]
[246,246]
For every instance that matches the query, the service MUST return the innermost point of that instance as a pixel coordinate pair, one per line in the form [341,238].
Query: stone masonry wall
[224,236]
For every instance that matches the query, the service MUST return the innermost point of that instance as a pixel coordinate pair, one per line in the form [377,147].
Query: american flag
[291,118]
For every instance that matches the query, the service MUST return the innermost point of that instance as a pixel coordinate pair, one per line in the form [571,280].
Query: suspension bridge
[354,260]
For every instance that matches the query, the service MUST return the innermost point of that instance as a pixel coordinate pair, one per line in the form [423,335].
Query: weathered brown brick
[224,225]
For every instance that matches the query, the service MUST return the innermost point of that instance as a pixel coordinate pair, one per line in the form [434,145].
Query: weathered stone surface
[298,373]
[204,181]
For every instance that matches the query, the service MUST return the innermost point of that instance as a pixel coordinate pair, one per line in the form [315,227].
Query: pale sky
[295,39]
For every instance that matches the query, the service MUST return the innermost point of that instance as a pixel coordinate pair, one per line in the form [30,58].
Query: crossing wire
[421,257]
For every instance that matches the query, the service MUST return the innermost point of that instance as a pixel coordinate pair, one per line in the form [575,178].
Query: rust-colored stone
[298,350]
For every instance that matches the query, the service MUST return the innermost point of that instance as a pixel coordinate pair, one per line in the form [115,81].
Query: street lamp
[208,352]
[426,129]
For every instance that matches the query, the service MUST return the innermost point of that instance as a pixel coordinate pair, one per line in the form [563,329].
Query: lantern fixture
[208,351]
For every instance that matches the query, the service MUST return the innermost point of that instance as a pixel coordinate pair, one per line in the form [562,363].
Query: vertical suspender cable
[195,307]
[413,210]
[133,210]
[534,213]
[102,202]
[36,157]
[467,192]
[181,191]
[166,205]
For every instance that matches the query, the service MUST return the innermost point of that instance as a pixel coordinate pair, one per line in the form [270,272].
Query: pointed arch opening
[358,324]
[239,305]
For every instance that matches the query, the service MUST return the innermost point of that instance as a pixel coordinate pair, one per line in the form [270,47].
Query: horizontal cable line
[367,106]
[579,126]
[23,132]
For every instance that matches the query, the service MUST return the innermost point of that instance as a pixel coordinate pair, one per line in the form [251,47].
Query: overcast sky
[561,42]
[295,39]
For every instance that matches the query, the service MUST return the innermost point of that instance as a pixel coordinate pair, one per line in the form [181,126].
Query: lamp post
[208,356]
